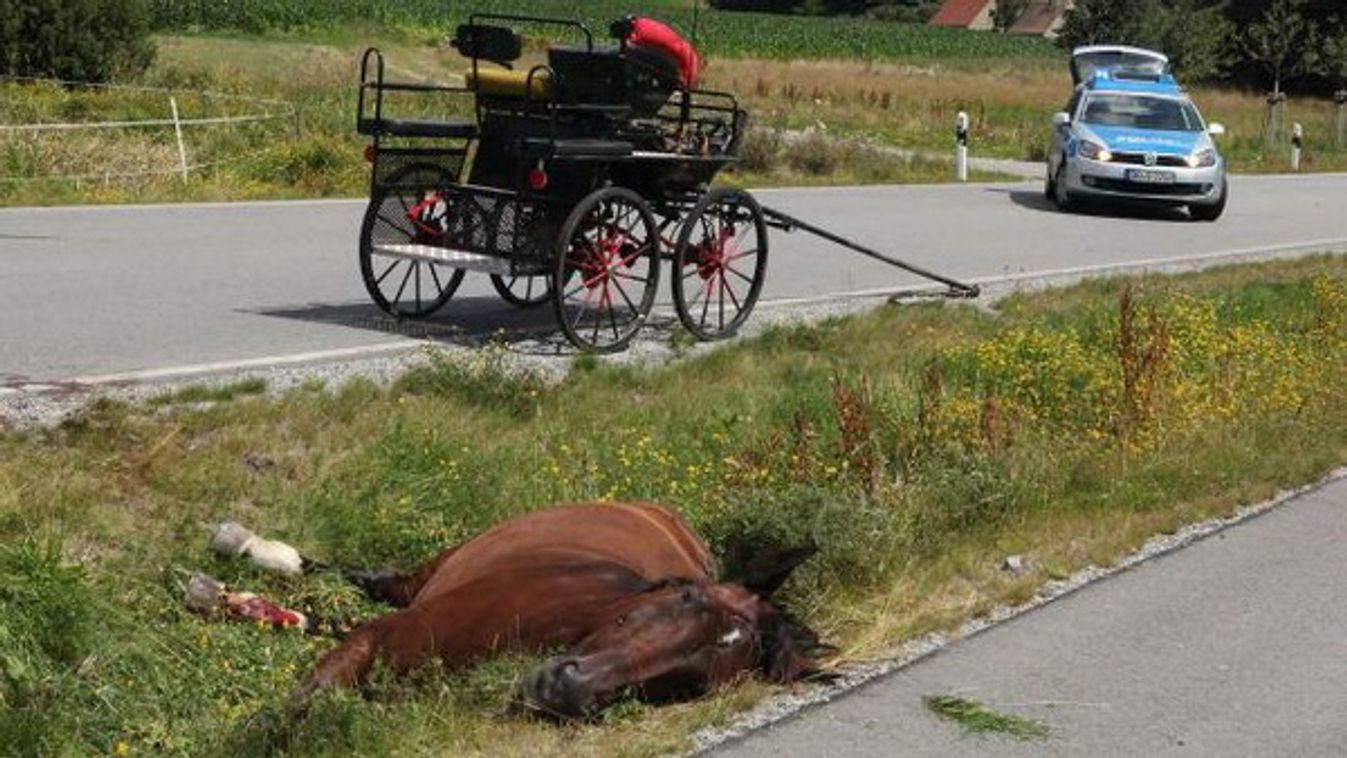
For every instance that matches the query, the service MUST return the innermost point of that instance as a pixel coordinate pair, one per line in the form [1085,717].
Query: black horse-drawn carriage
[571,182]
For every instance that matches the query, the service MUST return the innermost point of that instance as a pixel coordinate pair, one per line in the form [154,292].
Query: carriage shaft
[788,223]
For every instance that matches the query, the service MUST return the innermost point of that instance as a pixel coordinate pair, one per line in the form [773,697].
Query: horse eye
[731,637]
[621,620]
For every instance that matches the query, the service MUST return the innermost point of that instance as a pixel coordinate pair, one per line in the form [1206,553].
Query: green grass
[211,394]
[977,718]
[917,445]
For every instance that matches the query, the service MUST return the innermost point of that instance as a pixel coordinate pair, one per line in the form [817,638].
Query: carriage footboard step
[788,223]
[457,258]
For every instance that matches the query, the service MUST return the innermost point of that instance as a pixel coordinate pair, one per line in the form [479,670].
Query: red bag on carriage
[658,36]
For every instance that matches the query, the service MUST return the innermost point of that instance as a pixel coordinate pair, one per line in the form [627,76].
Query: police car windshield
[1141,112]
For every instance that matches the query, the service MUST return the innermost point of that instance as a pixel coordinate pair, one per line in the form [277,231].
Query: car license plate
[1145,176]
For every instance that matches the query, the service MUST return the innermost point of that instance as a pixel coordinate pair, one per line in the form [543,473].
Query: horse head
[676,640]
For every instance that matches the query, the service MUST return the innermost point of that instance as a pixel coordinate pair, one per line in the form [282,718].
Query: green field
[719,33]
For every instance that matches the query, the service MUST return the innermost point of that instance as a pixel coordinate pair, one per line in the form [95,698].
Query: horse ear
[764,573]
[788,649]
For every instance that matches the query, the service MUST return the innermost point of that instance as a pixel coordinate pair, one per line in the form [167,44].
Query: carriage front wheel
[408,209]
[720,261]
[607,270]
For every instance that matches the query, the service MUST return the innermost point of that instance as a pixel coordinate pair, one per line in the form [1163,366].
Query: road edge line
[244,364]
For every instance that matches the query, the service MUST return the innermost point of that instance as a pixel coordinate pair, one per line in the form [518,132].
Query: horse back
[651,541]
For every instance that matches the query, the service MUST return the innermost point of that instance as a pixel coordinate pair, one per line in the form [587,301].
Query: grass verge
[918,446]
[977,718]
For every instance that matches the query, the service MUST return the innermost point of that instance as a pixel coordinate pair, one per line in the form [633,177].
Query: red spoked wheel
[607,270]
[719,263]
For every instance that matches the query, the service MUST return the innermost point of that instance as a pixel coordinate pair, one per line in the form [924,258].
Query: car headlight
[1095,151]
[1202,158]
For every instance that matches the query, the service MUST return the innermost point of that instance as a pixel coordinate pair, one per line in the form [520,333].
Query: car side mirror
[1215,130]
[1061,119]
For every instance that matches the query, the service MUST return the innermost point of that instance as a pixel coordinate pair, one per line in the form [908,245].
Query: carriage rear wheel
[408,209]
[607,270]
[719,263]
[523,291]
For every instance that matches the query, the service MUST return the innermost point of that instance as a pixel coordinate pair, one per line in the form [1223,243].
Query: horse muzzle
[558,689]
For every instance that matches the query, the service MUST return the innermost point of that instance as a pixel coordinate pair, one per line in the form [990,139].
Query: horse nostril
[556,689]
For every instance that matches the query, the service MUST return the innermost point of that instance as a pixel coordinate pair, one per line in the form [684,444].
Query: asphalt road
[103,290]
[1234,646]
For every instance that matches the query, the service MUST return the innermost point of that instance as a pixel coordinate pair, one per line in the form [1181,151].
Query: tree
[80,40]
[1283,42]
[1333,64]
[1124,22]
[1197,39]
[1333,56]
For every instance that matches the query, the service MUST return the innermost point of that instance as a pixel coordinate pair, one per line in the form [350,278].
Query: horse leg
[397,588]
[401,639]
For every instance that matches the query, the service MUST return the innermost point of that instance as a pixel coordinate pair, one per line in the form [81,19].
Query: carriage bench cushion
[447,129]
[577,148]
[502,82]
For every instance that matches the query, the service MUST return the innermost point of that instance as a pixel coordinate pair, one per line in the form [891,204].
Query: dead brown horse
[627,589]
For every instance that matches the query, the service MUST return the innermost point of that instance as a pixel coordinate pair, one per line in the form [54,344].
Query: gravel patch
[28,405]
[787,704]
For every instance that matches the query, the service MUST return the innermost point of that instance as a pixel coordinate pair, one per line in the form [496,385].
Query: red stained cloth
[248,606]
[657,35]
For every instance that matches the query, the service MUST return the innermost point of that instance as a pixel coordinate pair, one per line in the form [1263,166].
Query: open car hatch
[1086,60]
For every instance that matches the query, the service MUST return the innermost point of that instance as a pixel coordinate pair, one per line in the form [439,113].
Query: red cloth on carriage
[649,34]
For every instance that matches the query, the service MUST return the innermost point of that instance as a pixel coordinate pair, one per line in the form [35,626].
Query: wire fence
[268,110]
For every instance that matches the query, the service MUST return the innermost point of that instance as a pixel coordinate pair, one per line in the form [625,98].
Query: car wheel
[1061,195]
[1213,211]
[1049,184]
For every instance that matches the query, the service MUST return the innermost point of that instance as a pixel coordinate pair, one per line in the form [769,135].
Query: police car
[1130,132]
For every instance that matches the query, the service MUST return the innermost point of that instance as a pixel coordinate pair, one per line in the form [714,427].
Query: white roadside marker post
[961,146]
[1297,140]
[177,129]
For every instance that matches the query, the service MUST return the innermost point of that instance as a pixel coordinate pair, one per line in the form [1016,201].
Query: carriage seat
[453,128]
[504,82]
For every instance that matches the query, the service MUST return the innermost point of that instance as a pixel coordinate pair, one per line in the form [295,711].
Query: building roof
[959,13]
[1040,17]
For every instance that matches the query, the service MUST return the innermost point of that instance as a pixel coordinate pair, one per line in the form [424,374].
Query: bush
[79,40]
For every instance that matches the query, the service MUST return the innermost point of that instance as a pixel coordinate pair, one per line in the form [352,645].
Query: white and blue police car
[1131,132]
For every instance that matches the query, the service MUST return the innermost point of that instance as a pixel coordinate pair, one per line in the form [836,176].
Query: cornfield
[724,33]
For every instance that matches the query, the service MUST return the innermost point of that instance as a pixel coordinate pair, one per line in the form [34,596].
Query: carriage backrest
[610,75]
[497,44]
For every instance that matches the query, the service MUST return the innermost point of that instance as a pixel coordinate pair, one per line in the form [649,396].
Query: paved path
[93,291]
[1235,646]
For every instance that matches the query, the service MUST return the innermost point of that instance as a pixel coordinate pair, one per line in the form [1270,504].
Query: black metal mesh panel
[393,161]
